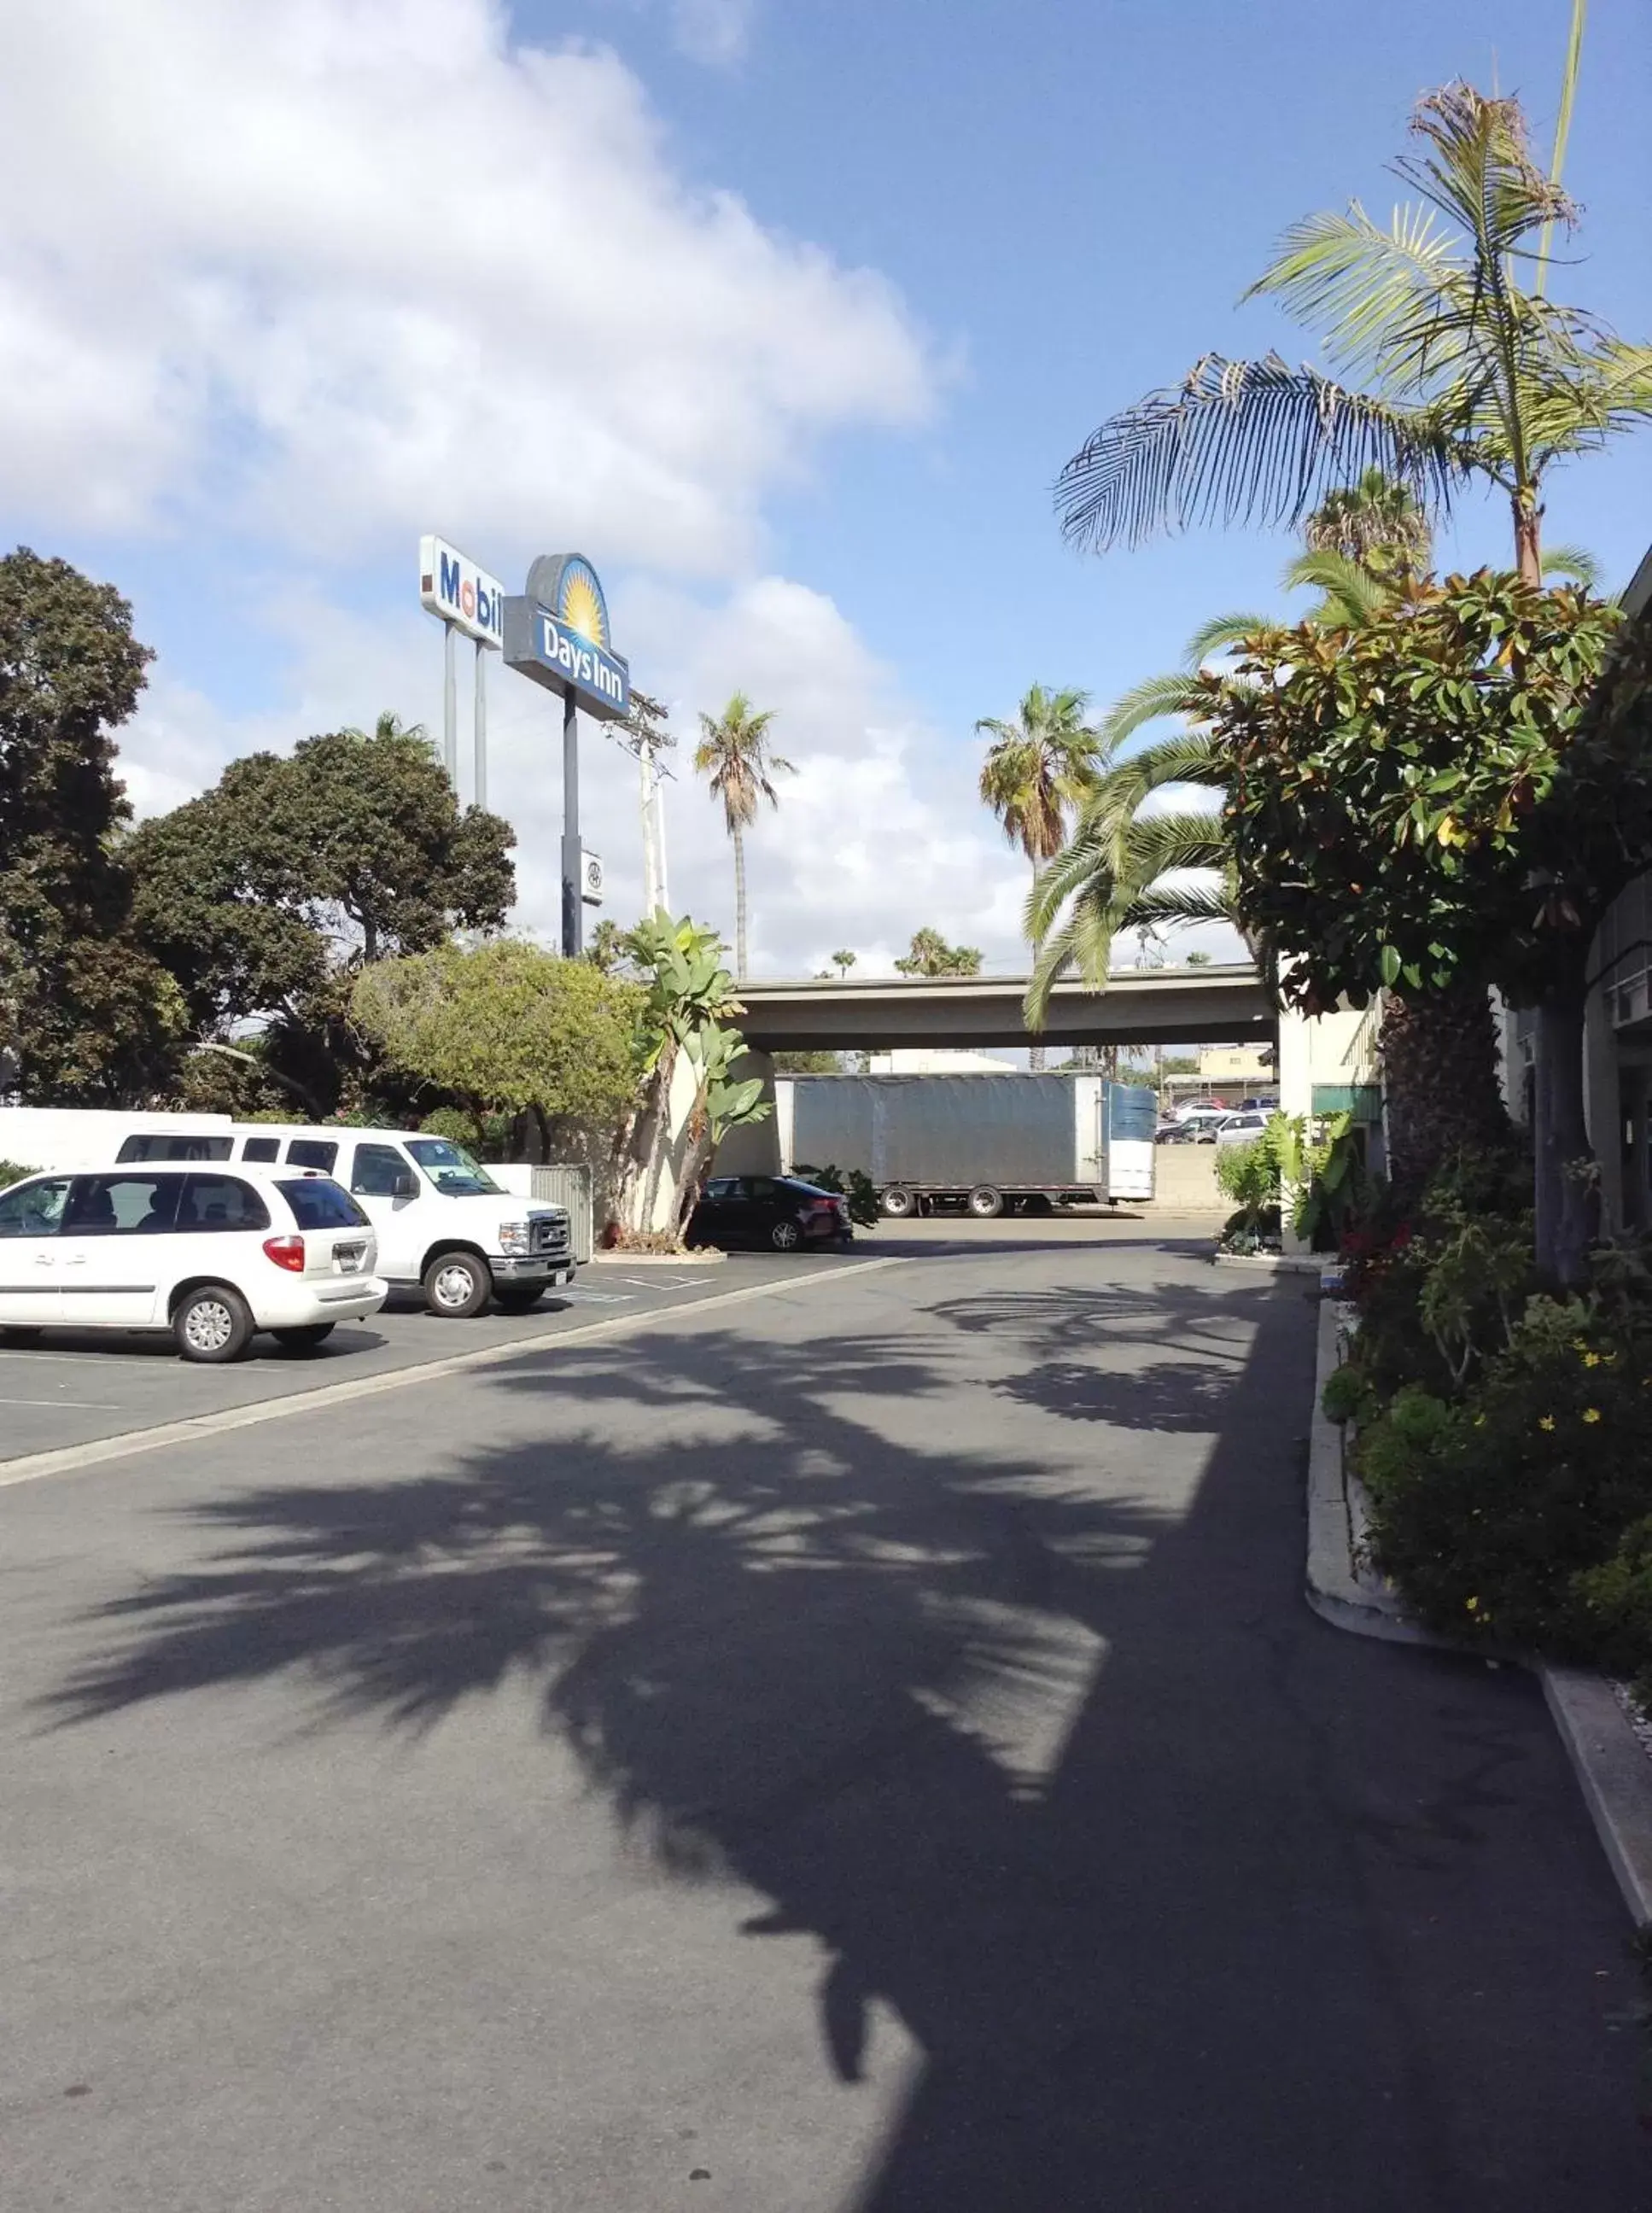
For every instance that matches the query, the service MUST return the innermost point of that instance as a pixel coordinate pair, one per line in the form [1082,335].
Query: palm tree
[1466,373]
[844,959]
[1124,868]
[1036,768]
[735,756]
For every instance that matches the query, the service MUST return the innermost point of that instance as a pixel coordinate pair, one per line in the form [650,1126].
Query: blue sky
[1073,199]
[787,315]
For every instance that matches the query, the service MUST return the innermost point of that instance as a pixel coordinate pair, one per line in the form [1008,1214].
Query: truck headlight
[513,1237]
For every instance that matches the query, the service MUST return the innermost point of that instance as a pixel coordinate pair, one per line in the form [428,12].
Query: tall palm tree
[1036,768]
[733,755]
[1125,868]
[1460,371]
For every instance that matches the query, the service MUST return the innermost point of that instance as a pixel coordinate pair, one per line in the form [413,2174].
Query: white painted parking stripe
[71,1405]
[68,1460]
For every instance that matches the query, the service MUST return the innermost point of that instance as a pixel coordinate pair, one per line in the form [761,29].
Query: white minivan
[444,1226]
[210,1254]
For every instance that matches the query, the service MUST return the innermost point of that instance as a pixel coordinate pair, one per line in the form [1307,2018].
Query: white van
[443,1225]
[211,1256]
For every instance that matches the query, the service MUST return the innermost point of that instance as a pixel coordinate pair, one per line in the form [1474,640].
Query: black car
[783,1211]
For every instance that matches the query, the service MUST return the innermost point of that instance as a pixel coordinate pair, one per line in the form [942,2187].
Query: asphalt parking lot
[75,1386]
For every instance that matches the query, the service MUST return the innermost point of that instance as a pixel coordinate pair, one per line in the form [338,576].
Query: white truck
[986,1144]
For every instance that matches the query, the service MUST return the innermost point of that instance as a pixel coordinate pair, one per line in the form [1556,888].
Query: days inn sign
[556,634]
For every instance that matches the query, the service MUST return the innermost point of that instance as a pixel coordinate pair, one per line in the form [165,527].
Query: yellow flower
[1472,1604]
[1546,1421]
[1591,1360]
[1591,1413]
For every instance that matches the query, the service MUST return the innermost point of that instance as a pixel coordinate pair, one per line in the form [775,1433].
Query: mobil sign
[452,586]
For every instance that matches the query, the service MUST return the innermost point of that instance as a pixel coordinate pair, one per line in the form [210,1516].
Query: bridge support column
[754,1149]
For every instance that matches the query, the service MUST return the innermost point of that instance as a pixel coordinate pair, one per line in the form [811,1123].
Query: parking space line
[68,1405]
[68,1460]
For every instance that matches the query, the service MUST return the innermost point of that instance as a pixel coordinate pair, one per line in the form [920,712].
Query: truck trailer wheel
[986,1202]
[899,1202]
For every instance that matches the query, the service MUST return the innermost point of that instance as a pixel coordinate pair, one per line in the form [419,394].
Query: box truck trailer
[986,1144]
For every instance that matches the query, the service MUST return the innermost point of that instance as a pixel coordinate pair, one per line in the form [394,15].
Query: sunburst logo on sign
[580,603]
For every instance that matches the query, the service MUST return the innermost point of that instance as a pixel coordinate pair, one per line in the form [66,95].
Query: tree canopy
[508,1027]
[86,1014]
[929,954]
[1415,799]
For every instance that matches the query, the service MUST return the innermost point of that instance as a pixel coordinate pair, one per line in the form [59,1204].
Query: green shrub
[1616,1599]
[1489,1513]
[10,1171]
[857,1187]
[1344,1394]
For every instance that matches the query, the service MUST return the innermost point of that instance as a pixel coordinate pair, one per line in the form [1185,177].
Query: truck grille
[548,1235]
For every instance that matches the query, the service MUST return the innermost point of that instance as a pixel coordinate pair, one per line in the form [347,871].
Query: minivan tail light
[287,1252]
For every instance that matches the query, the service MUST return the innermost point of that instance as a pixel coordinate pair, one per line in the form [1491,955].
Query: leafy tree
[1468,373]
[1420,802]
[1036,768]
[263,896]
[508,1028]
[929,954]
[842,960]
[806,1063]
[608,947]
[86,1015]
[735,756]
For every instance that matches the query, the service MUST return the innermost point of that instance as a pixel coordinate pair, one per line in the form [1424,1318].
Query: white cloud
[878,833]
[714,31]
[341,269]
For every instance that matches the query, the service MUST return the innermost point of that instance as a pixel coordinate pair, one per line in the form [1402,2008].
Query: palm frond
[1575,563]
[1351,594]
[1344,276]
[1243,441]
[1170,903]
[1149,701]
[1220,635]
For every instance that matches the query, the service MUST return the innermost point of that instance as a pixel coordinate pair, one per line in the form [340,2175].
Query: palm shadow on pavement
[802,1627]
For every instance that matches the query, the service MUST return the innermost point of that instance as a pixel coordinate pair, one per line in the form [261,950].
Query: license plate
[347,1259]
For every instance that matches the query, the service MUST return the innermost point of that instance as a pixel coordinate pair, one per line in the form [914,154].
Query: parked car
[211,1254]
[1177,1133]
[782,1211]
[1239,1129]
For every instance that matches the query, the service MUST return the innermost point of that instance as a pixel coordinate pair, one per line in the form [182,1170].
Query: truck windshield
[450,1168]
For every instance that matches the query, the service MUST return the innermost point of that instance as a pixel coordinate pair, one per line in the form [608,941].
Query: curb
[1612,1769]
[1271,1264]
[703,1260]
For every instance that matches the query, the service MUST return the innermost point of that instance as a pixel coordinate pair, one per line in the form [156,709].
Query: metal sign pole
[449,709]
[573,914]
[480,724]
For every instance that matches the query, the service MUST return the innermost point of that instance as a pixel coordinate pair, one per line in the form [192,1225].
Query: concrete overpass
[1141,1006]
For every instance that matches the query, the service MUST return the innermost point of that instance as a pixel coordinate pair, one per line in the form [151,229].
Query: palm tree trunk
[1035,1052]
[1529,550]
[739,836]
[1440,1076]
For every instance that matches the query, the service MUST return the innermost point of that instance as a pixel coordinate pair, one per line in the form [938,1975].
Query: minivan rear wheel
[457,1285]
[211,1324]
